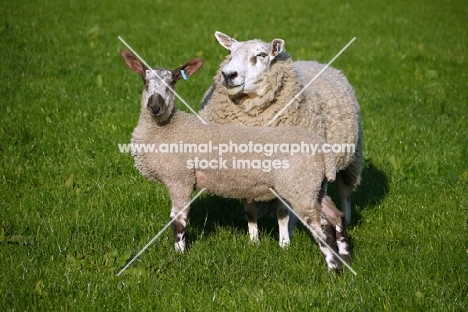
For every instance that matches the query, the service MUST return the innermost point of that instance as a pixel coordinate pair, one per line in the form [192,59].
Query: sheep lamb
[257,80]
[299,178]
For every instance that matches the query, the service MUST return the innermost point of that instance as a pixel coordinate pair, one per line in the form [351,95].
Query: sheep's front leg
[178,229]
[250,208]
[179,215]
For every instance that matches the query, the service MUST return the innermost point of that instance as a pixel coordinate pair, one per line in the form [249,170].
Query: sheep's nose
[155,104]
[229,75]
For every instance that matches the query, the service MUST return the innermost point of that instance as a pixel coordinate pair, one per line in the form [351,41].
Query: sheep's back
[340,109]
[328,106]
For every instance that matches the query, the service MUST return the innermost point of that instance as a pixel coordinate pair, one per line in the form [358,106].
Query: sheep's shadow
[209,212]
[370,193]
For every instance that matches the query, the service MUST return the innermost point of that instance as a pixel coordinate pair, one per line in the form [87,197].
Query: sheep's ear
[189,68]
[276,47]
[133,63]
[224,40]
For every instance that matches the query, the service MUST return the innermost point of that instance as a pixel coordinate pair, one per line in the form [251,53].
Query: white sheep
[299,178]
[258,79]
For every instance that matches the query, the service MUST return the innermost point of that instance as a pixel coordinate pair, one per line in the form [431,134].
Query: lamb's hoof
[284,244]
[334,265]
[180,247]
[346,258]
[254,241]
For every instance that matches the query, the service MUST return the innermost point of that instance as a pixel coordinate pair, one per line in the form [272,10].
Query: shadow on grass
[209,212]
[370,193]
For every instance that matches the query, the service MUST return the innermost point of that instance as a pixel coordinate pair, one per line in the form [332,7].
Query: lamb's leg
[336,218]
[322,230]
[283,222]
[344,249]
[250,208]
[329,236]
[286,224]
[179,202]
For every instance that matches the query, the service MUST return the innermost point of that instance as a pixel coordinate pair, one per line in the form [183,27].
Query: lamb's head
[158,98]
[244,71]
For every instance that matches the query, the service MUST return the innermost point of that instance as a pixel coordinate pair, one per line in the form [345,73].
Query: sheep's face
[158,95]
[245,68]
[158,98]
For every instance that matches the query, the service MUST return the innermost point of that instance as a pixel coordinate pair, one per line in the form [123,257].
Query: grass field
[73,209]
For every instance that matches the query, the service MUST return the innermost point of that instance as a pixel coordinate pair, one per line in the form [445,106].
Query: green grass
[73,209]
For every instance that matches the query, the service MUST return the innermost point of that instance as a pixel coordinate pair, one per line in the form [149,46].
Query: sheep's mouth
[232,90]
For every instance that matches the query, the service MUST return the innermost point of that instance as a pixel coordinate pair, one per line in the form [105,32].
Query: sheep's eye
[263,54]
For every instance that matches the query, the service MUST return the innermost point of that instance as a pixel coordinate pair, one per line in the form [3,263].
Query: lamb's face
[247,64]
[157,96]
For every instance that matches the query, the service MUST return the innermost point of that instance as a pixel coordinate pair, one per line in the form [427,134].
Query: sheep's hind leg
[286,223]
[347,181]
[250,209]
[338,227]
[322,232]
[329,215]
[329,236]
[342,242]
[344,193]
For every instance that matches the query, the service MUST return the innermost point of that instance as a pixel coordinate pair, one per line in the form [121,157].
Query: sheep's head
[158,97]
[244,71]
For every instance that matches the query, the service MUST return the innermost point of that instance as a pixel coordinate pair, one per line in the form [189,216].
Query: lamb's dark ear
[276,47]
[133,63]
[189,68]
[224,40]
